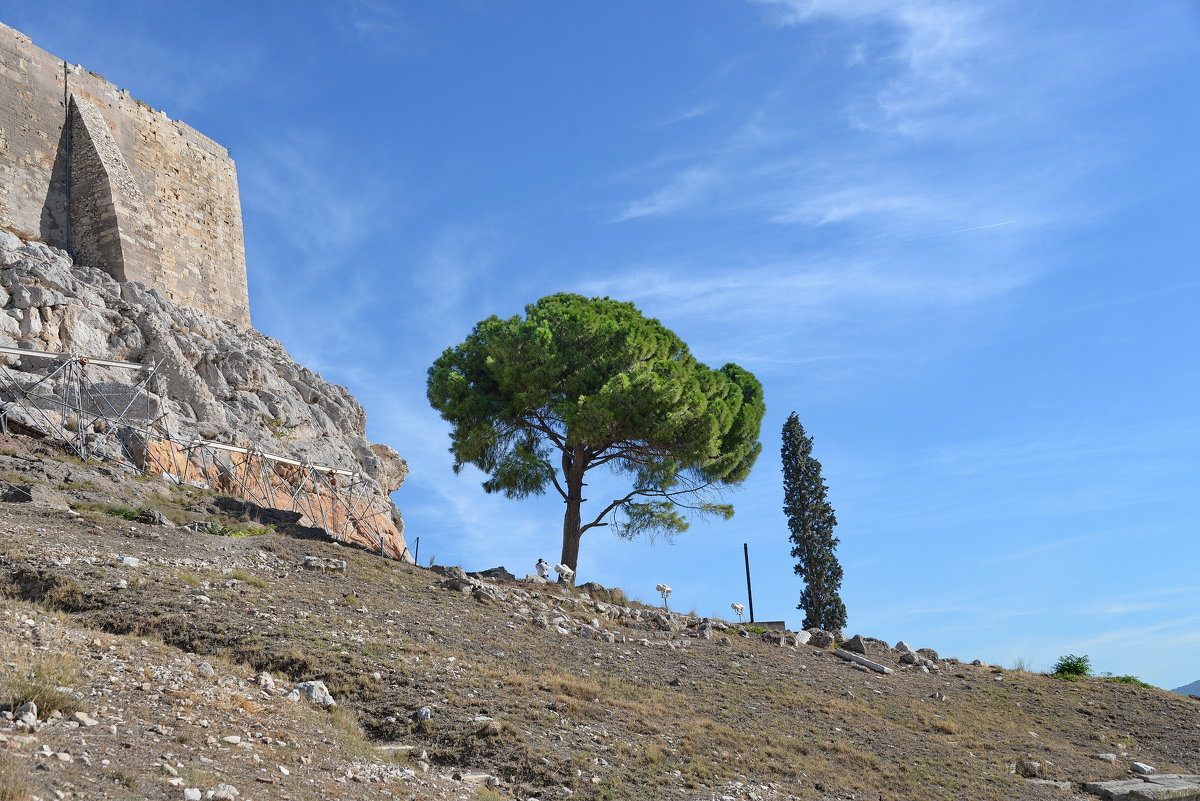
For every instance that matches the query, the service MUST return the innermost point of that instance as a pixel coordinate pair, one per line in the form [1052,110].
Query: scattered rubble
[519,689]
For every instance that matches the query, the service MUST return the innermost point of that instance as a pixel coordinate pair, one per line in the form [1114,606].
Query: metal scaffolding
[66,402]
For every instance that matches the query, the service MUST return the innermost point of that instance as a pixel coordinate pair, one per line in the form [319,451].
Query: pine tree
[811,520]
[581,383]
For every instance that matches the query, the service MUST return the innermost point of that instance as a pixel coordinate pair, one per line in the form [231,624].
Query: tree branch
[607,509]
[623,453]
[545,428]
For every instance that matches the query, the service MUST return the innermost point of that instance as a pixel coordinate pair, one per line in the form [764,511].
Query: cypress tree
[811,521]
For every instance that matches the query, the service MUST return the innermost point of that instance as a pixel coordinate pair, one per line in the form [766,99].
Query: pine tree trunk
[571,519]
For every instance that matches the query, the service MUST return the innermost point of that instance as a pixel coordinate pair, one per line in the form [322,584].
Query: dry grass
[654,720]
[38,678]
[14,782]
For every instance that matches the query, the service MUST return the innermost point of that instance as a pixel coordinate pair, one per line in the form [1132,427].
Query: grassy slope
[608,720]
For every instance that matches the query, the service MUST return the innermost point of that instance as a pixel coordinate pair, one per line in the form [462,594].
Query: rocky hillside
[1189,689]
[228,660]
[215,381]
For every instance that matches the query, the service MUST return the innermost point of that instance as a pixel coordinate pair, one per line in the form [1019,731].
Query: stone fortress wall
[89,169]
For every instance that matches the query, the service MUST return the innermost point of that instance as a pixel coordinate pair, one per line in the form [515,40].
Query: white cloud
[376,18]
[447,276]
[1169,633]
[937,47]
[690,113]
[852,202]
[803,293]
[1113,608]
[291,181]
[680,191]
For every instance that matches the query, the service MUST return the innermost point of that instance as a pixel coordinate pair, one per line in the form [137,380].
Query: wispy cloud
[808,292]
[459,258]
[1045,547]
[1113,609]
[974,228]
[321,213]
[851,202]
[1168,631]
[936,47]
[680,191]
[1064,451]
[376,18]
[690,113]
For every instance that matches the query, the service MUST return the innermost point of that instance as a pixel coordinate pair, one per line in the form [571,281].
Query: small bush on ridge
[1071,665]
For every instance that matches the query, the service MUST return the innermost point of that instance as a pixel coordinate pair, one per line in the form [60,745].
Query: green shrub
[1071,665]
[1125,680]
[247,578]
[169,509]
[238,530]
[756,629]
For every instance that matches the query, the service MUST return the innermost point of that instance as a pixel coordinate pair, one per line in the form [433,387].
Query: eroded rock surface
[1175,787]
[214,382]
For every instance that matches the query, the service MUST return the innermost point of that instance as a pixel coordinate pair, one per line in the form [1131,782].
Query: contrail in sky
[972,228]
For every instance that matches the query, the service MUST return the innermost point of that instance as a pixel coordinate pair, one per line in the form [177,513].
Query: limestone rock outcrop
[215,381]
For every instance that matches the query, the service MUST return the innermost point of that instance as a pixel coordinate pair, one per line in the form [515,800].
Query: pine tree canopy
[577,383]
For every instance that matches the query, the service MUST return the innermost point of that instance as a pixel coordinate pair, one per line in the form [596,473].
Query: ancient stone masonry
[87,168]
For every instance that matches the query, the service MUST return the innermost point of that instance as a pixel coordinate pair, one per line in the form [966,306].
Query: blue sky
[959,239]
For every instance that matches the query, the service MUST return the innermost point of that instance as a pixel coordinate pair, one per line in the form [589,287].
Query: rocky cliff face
[214,382]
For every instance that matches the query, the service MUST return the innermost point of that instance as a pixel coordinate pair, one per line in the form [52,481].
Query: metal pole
[417,552]
[749,591]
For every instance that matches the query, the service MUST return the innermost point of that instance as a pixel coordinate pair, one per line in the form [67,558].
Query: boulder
[819,638]
[775,637]
[495,574]
[26,712]
[315,692]
[1167,787]
[856,644]
[36,494]
[152,517]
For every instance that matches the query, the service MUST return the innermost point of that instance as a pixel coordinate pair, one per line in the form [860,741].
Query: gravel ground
[452,689]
